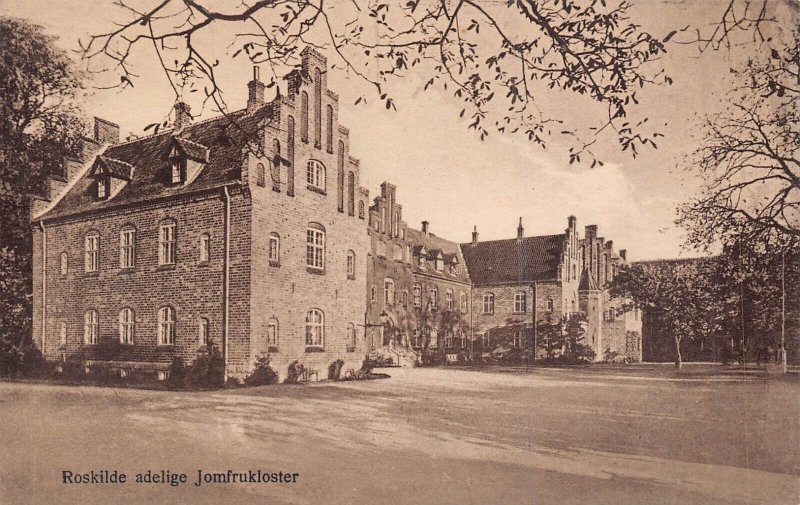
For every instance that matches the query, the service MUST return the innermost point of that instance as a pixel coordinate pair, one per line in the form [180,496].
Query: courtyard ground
[613,435]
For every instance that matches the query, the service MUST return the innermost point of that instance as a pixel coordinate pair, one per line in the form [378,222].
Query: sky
[443,172]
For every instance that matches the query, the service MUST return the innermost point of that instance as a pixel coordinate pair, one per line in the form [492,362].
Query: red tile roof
[434,246]
[514,261]
[225,138]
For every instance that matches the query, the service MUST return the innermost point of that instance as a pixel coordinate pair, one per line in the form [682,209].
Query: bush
[177,374]
[262,374]
[216,367]
[335,369]
[18,360]
[207,371]
[295,372]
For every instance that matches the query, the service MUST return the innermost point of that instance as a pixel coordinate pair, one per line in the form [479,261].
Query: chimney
[623,253]
[182,115]
[255,88]
[425,229]
[520,230]
[610,245]
[590,232]
[474,235]
[571,222]
[105,132]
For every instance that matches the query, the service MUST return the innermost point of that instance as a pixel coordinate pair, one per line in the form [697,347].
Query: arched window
[416,295]
[166,243]
[91,327]
[317,108]
[315,175]
[520,302]
[448,298]
[92,251]
[361,210]
[488,303]
[274,249]
[62,333]
[64,263]
[388,291]
[290,155]
[127,324]
[315,246]
[372,294]
[351,193]
[275,166]
[272,332]
[166,326]
[340,175]
[203,331]
[405,298]
[205,247]
[315,328]
[127,247]
[329,132]
[550,305]
[261,175]
[304,116]
[463,301]
[351,265]
[351,337]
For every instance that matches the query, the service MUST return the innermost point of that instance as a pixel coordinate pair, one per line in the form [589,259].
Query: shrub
[197,372]
[177,374]
[335,369]
[216,367]
[262,374]
[294,373]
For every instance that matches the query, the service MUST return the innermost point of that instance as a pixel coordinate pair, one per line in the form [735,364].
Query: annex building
[253,229]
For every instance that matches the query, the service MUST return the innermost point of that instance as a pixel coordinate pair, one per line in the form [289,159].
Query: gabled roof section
[436,247]
[112,166]
[513,260]
[192,150]
[224,137]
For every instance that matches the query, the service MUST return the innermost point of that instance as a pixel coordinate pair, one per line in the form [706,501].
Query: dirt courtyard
[546,436]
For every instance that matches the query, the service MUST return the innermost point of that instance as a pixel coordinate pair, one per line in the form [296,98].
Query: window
[272,333]
[351,193]
[416,295]
[488,303]
[351,337]
[304,116]
[315,175]
[178,168]
[329,132]
[315,328]
[448,298]
[360,210]
[126,326]
[520,302]
[315,246]
[202,331]
[372,294]
[485,339]
[405,298]
[127,242]
[518,335]
[64,263]
[463,302]
[550,305]
[90,327]
[274,249]
[317,108]
[340,176]
[166,243]
[351,265]
[448,340]
[438,264]
[290,155]
[611,314]
[92,248]
[166,326]
[388,292]
[102,187]
[261,175]
[434,298]
[62,332]
[205,247]
[415,339]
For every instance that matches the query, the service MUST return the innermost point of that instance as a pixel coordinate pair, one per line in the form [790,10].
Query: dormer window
[178,170]
[111,175]
[102,188]
[186,160]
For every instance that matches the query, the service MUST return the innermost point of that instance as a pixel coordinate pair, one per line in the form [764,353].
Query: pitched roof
[434,246]
[225,137]
[117,168]
[513,260]
[192,150]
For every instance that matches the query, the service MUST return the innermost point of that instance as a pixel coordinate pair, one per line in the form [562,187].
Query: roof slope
[510,261]
[224,136]
[434,244]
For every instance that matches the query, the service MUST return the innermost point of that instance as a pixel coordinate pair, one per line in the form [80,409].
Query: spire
[520,230]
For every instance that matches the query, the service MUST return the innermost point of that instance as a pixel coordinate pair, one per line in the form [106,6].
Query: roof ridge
[514,239]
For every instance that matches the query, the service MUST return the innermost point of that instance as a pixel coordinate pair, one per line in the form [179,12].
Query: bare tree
[509,54]
[749,157]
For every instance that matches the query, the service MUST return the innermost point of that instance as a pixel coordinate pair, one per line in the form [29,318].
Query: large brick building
[248,228]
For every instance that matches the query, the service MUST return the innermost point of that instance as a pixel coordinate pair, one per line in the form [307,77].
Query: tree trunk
[678,360]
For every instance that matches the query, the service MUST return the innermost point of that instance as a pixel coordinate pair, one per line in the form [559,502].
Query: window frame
[351,264]
[315,328]
[127,326]
[433,297]
[463,302]
[388,291]
[273,333]
[127,247]
[167,243]
[63,266]
[520,302]
[91,327]
[315,247]
[449,300]
[274,249]
[488,303]
[203,331]
[167,319]
[416,295]
[92,251]
[205,247]
[316,176]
